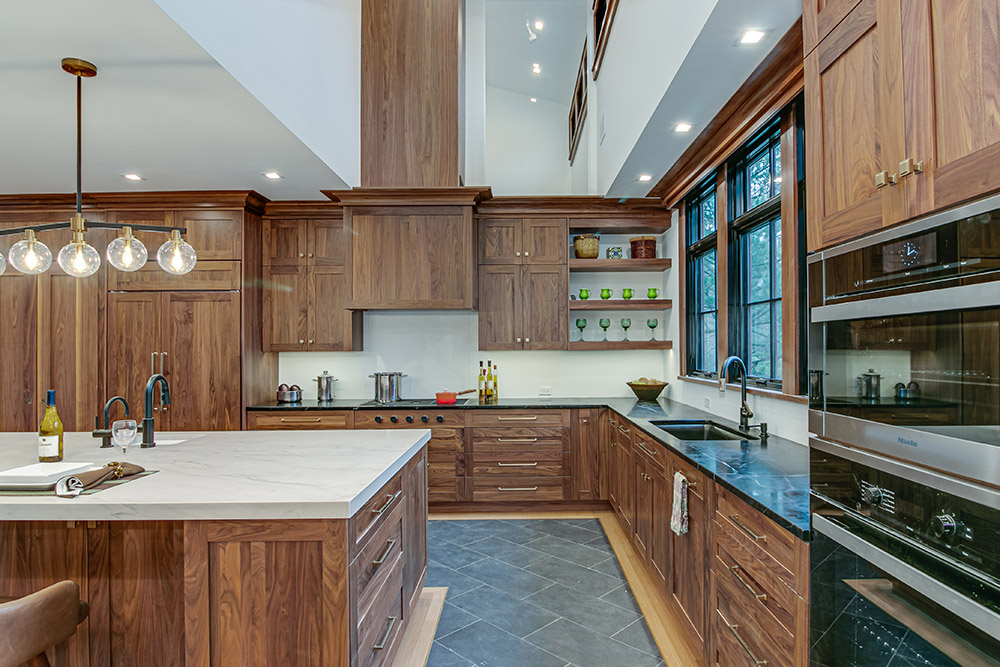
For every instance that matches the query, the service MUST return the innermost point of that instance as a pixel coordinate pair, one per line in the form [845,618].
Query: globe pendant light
[3,264]
[29,255]
[127,253]
[176,256]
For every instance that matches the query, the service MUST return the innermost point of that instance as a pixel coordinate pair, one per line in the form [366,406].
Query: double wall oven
[904,421]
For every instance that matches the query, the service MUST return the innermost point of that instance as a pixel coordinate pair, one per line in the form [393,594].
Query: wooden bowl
[649,391]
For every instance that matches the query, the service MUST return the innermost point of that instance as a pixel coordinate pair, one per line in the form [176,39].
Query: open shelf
[617,226]
[612,265]
[621,345]
[621,304]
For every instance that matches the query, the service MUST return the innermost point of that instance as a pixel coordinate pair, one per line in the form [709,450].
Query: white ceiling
[557,48]
[160,106]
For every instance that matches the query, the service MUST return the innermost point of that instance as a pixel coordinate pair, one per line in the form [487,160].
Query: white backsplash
[843,366]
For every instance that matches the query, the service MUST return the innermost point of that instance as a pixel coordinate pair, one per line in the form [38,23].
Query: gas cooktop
[415,403]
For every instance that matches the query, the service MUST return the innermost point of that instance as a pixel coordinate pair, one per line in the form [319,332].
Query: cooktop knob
[394,419]
[378,419]
[944,525]
[424,419]
[440,419]
[409,419]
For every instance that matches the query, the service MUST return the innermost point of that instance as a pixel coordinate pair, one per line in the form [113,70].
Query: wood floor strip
[416,643]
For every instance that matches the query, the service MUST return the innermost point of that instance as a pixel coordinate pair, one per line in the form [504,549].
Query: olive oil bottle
[50,432]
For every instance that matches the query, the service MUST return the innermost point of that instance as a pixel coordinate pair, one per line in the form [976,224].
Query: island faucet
[745,412]
[105,433]
[147,420]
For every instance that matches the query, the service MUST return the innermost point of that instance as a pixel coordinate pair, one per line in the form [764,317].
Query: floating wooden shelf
[617,226]
[621,345]
[612,265]
[621,304]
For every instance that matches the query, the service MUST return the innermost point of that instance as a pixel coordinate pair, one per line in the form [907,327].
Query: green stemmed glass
[605,323]
[651,323]
[626,323]
[580,324]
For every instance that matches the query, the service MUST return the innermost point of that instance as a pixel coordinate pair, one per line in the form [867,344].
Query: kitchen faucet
[105,433]
[745,412]
[147,420]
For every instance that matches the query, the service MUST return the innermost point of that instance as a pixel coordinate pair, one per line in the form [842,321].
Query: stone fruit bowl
[646,389]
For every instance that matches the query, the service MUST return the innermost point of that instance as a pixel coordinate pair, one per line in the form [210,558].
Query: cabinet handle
[517,465]
[388,502]
[517,419]
[301,255]
[517,439]
[525,253]
[311,341]
[648,451]
[310,254]
[385,554]
[735,518]
[735,629]
[735,569]
[518,340]
[301,341]
[518,253]
[380,644]
[299,420]
[585,420]
[884,178]
[910,166]
[152,363]
[910,416]
[517,488]
[614,444]
[527,340]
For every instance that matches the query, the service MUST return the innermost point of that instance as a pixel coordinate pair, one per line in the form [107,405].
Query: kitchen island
[244,548]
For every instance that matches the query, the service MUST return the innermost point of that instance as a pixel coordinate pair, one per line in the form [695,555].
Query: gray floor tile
[449,554]
[508,552]
[511,533]
[444,657]
[564,530]
[456,532]
[519,583]
[488,646]
[587,648]
[611,568]
[589,524]
[452,618]
[637,636]
[591,612]
[571,551]
[569,574]
[601,542]
[456,582]
[504,610]
[622,597]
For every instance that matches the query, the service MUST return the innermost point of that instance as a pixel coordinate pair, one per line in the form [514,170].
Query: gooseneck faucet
[745,412]
[147,420]
[105,433]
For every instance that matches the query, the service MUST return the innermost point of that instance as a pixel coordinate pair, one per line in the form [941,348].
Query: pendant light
[29,255]
[176,256]
[127,253]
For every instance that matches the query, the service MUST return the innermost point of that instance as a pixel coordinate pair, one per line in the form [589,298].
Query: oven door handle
[976,614]
[963,297]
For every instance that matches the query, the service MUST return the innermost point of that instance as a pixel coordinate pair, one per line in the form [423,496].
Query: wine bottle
[482,382]
[50,432]
[489,381]
[496,384]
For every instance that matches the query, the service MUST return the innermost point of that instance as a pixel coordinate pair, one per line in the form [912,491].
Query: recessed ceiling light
[682,127]
[132,177]
[539,25]
[534,99]
[645,178]
[751,37]
[536,68]
[273,175]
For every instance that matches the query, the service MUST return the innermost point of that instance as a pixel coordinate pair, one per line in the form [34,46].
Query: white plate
[40,475]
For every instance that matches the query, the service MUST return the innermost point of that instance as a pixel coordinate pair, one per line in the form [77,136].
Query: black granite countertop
[884,402]
[772,477]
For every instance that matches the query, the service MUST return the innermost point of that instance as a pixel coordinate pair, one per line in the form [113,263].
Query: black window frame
[697,250]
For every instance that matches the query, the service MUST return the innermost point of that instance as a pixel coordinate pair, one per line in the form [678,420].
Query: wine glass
[605,323]
[580,324]
[123,433]
[651,323]
[626,323]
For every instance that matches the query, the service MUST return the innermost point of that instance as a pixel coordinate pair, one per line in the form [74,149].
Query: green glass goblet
[651,323]
[626,323]
[580,324]
[605,323]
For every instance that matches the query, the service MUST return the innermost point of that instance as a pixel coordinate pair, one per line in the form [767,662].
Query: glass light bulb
[30,256]
[3,264]
[127,253]
[176,257]
[79,259]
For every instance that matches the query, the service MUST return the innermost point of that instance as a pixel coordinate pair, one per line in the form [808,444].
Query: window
[703,294]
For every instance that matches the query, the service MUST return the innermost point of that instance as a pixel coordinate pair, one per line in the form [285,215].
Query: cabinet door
[819,17]
[326,243]
[414,526]
[546,309]
[499,241]
[854,102]
[285,242]
[213,234]
[19,394]
[659,547]
[613,462]
[544,241]
[331,325]
[285,303]
[688,562]
[134,326]
[642,483]
[500,313]
[586,455]
[202,361]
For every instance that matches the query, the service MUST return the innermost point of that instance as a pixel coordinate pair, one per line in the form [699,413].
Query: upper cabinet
[902,113]
[523,241]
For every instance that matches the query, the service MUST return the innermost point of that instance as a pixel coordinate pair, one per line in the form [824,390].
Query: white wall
[475,92]
[526,145]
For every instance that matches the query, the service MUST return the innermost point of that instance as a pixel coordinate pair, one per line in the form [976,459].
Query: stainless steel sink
[701,429]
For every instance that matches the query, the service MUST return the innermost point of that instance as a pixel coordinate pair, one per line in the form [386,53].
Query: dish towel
[679,513]
[74,485]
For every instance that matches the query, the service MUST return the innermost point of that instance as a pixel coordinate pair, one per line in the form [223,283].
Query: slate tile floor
[533,593]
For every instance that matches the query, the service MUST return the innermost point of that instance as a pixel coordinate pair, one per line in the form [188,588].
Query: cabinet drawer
[380,630]
[519,462]
[522,436]
[653,452]
[448,418]
[496,417]
[298,420]
[517,489]
[765,540]
[375,512]
[376,561]
[740,636]
[444,489]
[697,482]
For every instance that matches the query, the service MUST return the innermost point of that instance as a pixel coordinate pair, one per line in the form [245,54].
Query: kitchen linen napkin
[679,513]
[73,485]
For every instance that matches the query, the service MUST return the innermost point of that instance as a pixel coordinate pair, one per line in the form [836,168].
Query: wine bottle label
[48,445]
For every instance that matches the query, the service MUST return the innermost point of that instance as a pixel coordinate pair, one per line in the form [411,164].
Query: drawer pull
[735,569]
[299,420]
[735,518]
[385,554]
[517,419]
[517,465]
[517,488]
[517,439]
[648,451]
[623,430]
[735,629]
[388,502]
[380,644]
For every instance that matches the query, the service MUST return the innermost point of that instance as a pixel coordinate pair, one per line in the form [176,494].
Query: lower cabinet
[688,562]
[586,455]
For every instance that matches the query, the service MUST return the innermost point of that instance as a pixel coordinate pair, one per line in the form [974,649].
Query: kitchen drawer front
[524,436]
[519,489]
[556,418]
[449,418]
[380,629]
[299,420]
[376,511]
[698,484]
[726,648]
[519,463]
[444,489]
[750,640]
[765,540]
[374,564]
[643,445]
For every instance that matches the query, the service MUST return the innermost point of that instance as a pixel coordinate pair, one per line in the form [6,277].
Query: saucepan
[448,397]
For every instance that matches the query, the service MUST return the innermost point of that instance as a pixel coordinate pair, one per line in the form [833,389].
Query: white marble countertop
[224,475]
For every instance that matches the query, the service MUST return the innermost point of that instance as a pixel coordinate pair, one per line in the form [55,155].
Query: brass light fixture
[78,258]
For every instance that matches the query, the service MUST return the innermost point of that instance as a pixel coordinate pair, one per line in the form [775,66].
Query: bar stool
[37,622]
